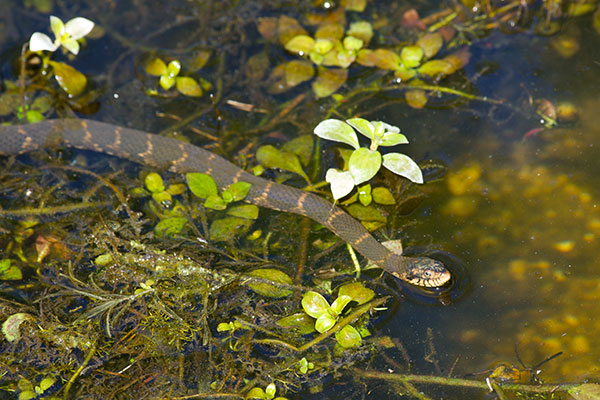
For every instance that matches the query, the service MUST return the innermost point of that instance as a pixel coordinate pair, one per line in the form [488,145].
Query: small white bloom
[65,34]
[78,27]
[40,41]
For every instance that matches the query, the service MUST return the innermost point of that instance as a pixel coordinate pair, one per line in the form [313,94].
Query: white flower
[65,34]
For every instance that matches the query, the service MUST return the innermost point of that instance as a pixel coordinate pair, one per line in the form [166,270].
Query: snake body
[170,154]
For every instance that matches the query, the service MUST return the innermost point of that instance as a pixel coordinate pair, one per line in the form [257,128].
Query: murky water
[521,210]
[518,204]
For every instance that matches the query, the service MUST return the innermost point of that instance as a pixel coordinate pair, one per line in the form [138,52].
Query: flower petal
[57,26]
[79,27]
[70,44]
[40,41]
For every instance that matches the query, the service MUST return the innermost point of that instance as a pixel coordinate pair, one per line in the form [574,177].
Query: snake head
[426,272]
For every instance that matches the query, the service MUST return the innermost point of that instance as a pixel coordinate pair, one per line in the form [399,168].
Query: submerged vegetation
[117,281]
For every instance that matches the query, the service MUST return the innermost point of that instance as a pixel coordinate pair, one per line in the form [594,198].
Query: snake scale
[170,154]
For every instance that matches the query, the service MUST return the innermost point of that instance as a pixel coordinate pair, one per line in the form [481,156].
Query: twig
[445,381]
[89,356]
[106,182]
[22,212]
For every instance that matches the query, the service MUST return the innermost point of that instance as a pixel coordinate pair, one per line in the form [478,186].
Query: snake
[164,153]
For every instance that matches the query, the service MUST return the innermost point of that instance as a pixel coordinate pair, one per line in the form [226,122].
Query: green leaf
[379,129]
[352,43]
[170,227]
[363,331]
[154,182]
[43,6]
[34,116]
[364,195]
[176,189]
[24,384]
[69,79]
[202,185]
[411,56]
[270,390]
[363,126]
[70,44]
[385,59]
[393,139]
[586,391]
[10,327]
[173,68]
[338,131]
[345,154]
[339,56]
[258,170]
[239,190]
[348,337]
[204,84]
[163,198]
[383,196]
[314,304]
[341,182]
[257,66]
[9,103]
[416,98]
[302,146]
[436,68]
[323,46]
[288,28]
[316,58]
[42,104]
[364,164]
[256,393]
[329,31]
[215,202]
[405,74]
[188,86]
[226,229]
[46,383]
[156,67]
[103,259]
[303,365]
[247,211]
[354,5]
[298,71]
[302,322]
[362,30]
[403,165]
[337,307]
[27,395]
[328,81]
[272,157]
[198,60]
[226,196]
[431,43]
[324,323]
[166,82]
[363,213]
[266,289]
[357,292]
[276,80]
[301,45]
[9,272]
[224,327]
[578,9]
